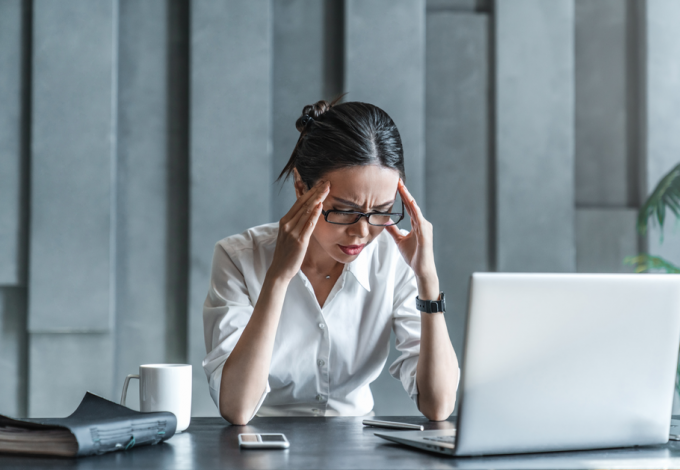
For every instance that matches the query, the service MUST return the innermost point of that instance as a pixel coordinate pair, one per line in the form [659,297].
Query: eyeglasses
[379,219]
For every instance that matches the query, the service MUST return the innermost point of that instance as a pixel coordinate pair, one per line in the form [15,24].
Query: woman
[299,314]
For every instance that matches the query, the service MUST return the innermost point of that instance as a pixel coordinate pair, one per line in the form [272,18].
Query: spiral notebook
[97,426]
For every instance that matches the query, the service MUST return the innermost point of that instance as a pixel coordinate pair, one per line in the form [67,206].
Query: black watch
[431,306]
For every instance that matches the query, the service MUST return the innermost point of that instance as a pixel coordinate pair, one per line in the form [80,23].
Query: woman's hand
[416,247]
[295,229]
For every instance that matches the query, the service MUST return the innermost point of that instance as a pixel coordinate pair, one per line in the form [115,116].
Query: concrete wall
[135,135]
[13,143]
[534,135]
[152,203]
[72,202]
[230,149]
[14,149]
[13,348]
[606,134]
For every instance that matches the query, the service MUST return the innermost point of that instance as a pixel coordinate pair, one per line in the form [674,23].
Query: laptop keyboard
[447,439]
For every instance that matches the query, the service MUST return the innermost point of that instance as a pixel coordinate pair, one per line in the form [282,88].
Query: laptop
[558,362]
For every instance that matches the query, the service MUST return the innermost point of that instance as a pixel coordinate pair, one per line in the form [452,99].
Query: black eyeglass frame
[364,214]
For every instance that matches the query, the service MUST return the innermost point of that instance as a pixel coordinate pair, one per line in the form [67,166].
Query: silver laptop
[558,362]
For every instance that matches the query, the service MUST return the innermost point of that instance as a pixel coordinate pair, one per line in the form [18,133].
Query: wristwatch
[431,306]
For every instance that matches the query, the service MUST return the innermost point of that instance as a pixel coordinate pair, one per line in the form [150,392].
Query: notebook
[97,426]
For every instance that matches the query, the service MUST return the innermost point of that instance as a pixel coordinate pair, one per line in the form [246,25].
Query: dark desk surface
[333,443]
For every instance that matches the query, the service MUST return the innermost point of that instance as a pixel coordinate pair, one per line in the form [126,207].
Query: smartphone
[263,441]
[392,425]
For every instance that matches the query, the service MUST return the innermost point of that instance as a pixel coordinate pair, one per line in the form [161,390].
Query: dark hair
[340,136]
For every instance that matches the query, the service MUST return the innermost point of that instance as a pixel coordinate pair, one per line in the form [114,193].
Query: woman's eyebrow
[357,206]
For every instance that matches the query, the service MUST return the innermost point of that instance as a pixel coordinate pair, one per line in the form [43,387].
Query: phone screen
[272,438]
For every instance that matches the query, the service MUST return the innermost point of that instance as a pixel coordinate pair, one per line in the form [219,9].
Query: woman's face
[365,189]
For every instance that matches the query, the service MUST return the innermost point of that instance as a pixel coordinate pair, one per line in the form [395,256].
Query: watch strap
[431,306]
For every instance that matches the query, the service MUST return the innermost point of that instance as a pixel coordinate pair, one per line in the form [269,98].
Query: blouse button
[321,362]
[319,398]
[322,326]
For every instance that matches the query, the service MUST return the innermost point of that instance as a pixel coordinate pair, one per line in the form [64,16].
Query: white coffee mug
[164,387]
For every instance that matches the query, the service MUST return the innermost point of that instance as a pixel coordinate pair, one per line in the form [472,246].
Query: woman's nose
[359,229]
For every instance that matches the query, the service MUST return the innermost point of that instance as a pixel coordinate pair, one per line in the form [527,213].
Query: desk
[333,443]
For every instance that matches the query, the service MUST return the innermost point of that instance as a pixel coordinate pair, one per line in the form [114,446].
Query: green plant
[666,196]
[645,263]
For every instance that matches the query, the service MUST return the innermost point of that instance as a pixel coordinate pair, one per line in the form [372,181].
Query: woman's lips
[352,250]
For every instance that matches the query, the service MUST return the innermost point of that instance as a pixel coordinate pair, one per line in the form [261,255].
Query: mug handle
[123,396]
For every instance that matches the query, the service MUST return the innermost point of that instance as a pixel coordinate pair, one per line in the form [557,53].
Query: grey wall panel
[71,168]
[601,87]
[662,119]
[177,121]
[604,237]
[13,351]
[469,6]
[384,65]
[298,80]
[534,141]
[62,367]
[457,165]
[230,144]
[12,210]
[144,292]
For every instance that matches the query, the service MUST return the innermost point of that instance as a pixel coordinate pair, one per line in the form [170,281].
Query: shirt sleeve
[226,312]
[406,326]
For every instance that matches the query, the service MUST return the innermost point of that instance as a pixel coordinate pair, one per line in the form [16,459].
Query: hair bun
[311,113]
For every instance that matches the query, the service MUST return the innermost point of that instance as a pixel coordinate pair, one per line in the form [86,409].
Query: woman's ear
[300,186]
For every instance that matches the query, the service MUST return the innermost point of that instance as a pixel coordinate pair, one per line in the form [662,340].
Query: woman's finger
[419,213]
[411,213]
[319,195]
[308,227]
[302,200]
[406,195]
[306,213]
[410,204]
[423,224]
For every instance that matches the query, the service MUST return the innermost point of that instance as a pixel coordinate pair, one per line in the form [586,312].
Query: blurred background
[136,134]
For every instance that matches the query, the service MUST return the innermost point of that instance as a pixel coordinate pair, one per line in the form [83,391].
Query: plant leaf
[645,263]
[665,195]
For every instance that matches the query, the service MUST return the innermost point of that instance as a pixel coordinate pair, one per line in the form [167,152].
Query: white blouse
[324,358]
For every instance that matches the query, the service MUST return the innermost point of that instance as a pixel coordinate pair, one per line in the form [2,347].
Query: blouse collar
[359,267]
